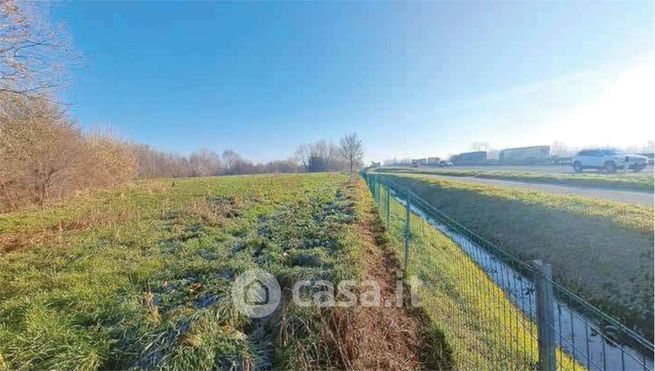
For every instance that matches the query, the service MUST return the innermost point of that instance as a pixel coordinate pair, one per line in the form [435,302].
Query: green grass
[629,181]
[480,325]
[140,276]
[601,250]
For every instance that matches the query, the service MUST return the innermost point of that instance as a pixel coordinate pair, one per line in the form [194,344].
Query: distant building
[433,161]
[419,162]
[478,156]
[525,153]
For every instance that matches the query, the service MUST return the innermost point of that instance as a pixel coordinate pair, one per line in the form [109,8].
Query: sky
[411,78]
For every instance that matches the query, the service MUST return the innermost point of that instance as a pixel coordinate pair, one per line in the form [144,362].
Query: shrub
[44,155]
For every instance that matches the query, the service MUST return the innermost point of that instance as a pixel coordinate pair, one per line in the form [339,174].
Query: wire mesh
[584,337]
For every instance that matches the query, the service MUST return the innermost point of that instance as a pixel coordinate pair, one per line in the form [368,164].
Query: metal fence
[539,323]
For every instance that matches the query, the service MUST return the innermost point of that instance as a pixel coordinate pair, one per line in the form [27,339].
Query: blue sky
[413,79]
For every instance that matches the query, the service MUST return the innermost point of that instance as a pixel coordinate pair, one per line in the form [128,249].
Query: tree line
[45,155]
[327,156]
[152,163]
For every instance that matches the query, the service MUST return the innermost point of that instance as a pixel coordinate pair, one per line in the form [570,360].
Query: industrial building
[478,156]
[525,154]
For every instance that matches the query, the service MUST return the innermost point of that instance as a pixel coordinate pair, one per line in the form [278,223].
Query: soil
[389,336]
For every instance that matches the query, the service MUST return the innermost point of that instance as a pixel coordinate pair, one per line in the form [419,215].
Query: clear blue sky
[412,79]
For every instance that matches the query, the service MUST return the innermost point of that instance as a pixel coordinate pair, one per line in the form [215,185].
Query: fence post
[545,318]
[408,213]
[379,192]
[377,189]
[386,206]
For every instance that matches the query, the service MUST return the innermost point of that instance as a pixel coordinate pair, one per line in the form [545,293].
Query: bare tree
[41,149]
[44,155]
[319,156]
[558,149]
[480,146]
[302,155]
[649,147]
[336,162]
[351,150]
[281,166]
[231,160]
[205,162]
[158,164]
[32,54]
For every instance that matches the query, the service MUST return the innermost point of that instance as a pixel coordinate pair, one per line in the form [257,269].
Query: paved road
[556,169]
[630,197]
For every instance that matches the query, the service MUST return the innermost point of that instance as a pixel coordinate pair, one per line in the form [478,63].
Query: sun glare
[623,113]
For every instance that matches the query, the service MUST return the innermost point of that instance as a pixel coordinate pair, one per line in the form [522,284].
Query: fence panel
[537,319]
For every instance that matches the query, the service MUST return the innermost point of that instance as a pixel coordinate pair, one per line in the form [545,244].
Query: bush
[108,162]
[45,156]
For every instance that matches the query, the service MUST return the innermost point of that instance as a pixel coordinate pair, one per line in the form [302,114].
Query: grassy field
[627,181]
[602,250]
[140,277]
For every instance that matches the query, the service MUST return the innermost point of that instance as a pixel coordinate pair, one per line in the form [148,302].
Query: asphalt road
[630,197]
[555,169]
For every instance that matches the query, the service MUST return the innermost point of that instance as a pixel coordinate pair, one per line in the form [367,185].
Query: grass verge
[480,325]
[630,181]
[600,250]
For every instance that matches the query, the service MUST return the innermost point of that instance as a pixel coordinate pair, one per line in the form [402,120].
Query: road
[554,169]
[630,197]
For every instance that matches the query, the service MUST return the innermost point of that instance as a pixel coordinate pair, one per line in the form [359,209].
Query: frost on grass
[140,278]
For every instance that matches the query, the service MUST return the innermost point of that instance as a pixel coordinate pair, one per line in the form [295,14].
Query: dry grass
[357,338]
[379,338]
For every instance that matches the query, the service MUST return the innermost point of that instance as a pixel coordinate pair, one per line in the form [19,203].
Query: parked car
[609,160]
[445,164]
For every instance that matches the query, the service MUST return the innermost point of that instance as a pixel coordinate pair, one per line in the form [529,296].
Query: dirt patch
[385,337]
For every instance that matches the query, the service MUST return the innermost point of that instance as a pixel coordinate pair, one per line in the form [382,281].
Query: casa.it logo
[256,293]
